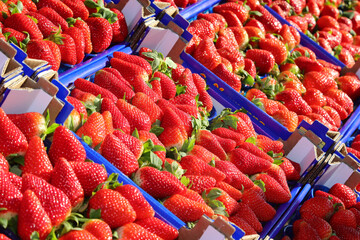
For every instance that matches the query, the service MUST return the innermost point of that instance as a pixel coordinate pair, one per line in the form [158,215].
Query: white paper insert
[212,234]
[303,153]
[162,40]
[337,173]
[132,12]
[3,61]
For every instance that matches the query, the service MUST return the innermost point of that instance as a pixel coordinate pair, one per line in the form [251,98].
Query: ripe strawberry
[36,160]
[319,81]
[15,180]
[249,216]
[21,22]
[226,39]
[291,173]
[334,115]
[233,175]
[233,192]
[68,48]
[187,210]
[240,11]
[168,88]
[349,85]
[319,110]
[142,208]
[334,199]
[134,59]
[227,144]
[234,56]
[101,33]
[11,197]
[140,86]
[267,144]
[115,209]
[144,103]
[195,166]
[133,231]
[157,183]
[287,118]
[94,128]
[344,193]
[327,21]
[230,204]
[255,150]
[67,146]
[341,98]
[276,47]
[293,101]
[63,10]
[55,202]
[346,233]
[270,23]
[137,119]
[264,60]
[45,25]
[4,164]
[207,140]
[92,88]
[192,195]
[78,37]
[117,153]
[32,217]
[203,154]
[303,230]
[275,192]
[78,8]
[202,28]
[322,227]
[247,162]
[145,136]
[217,20]
[4,237]
[228,77]
[227,133]
[243,224]
[207,55]
[346,58]
[158,227]
[343,217]
[252,198]
[313,96]
[357,214]
[201,183]
[78,234]
[134,144]
[54,17]
[12,140]
[100,229]
[45,50]
[340,109]
[78,105]
[64,178]
[129,70]
[119,121]
[276,172]
[82,25]
[318,206]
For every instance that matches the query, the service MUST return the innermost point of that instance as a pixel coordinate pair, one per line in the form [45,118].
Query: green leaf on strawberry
[35,236]
[135,133]
[256,13]
[216,205]
[174,168]
[186,181]
[251,140]
[148,157]
[261,184]
[95,214]
[180,89]
[188,145]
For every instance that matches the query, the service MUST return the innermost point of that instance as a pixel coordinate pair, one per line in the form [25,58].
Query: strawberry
[318,206]
[319,81]
[12,33]
[184,99]
[227,144]
[187,210]
[156,183]
[119,121]
[158,227]
[140,86]
[243,224]
[233,192]
[135,60]
[287,36]
[227,133]
[327,21]
[15,180]
[92,88]
[137,119]
[314,96]
[319,110]
[203,154]
[275,192]
[100,229]
[202,28]
[67,146]
[276,47]
[346,233]
[234,56]
[206,139]
[36,160]
[249,216]
[168,88]
[192,195]
[349,85]
[207,55]
[133,231]
[134,144]
[64,178]
[250,67]
[144,103]
[120,30]
[67,46]
[230,204]
[4,164]
[78,106]
[303,230]
[340,109]
[287,118]
[270,23]
[78,234]
[264,60]
[276,172]
[64,11]
[346,58]
[11,197]
[115,209]
[357,214]
[77,35]
[291,173]
[201,183]
[322,227]
[241,36]
[263,211]
[344,193]
[255,150]
[186,79]
[233,175]
[227,39]
[334,199]
[174,134]
[195,166]
[78,8]
[117,153]
[247,162]
[239,10]
[94,128]
[217,20]
[82,25]
[45,50]
[12,140]
[54,17]
[21,22]
[341,98]
[55,202]
[267,144]
[142,208]
[228,77]
[334,115]
[101,33]
[343,217]
[4,237]
[129,70]
[32,217]
[293,101]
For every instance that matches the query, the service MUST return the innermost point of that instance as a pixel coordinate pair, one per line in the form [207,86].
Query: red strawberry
[82,25]
[133,231]
[303,230]
[145,136]
[142,208]
[343,217]
[293,101]
[134,144]
[55,202]
[334,200]
[226,143]
[77,35]
[118,154]
[308,65]
[187,210]
[137,118]
[64,178]
[45,50]
[4,164]
[206,54]
[318,206]
[292,174]
[78,234]
[120,30]
[119,121]
[240,11]
[230,204]
[255,150]
[233,175]
[15,180]
[11,197]
[54,17]
[322,227]
[267,144]
[319,110]
[341,98]
[227,133]
[340,109]
[21,22]
[346,233]
[234,56]
[275,192]
[327,21]
[101,33]
[276,172]
[287,118]
[247,162]
[270,23]
[233,192]
[186,79]
[349,85]
[249,216]
[144,103]
[78,8]
[203,154]
[12,33]
[100,229]
[32,217]
[264,60]
[217,20]
[140,86]
[276,47]
[156,183]
[192,195]
[78,106]
[135,60]
[12,140]
[334,115]
[60,7]
[228,77]
[158,227]
[36,160]
[129,70]
[92,88]
[207,140]
[201,183]
[168,88]
[94,128]
[344,193]
[4,237]
[67,146]
[244,225]
[314,96]
[202,28]
[115,209]
[67,47]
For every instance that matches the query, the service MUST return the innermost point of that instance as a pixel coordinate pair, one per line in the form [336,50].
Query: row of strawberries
[297,86]
[52,189]
[61,31]
[333,215]
[334,25]
[171,154]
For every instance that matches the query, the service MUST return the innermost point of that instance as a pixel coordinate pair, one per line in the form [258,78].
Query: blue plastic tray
[192,11]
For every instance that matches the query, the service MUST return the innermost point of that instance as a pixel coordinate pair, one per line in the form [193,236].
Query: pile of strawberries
[160,137]
[334,25]
[52,192]
[294,86]
[178,3]
[334,215]
[61,31]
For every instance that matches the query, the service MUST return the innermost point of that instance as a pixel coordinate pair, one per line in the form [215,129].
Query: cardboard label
[336,173]
[212,234]
[3,62]
[132,12]
[303,153]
